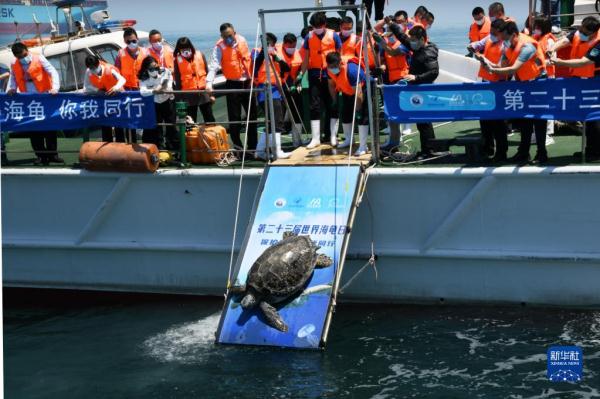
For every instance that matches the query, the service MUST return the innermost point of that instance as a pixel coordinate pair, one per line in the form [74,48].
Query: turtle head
[288,234]
[249,301]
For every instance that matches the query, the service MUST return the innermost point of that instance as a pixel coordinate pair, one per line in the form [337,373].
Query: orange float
[119,157]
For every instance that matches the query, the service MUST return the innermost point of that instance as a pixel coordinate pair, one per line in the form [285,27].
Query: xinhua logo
[565,364]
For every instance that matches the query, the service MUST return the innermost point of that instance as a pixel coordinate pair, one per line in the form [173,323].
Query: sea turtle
[280,273]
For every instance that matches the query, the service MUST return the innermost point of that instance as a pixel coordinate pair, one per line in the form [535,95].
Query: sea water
[60,345]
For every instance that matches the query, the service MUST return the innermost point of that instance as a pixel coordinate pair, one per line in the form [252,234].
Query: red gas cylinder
[119,157]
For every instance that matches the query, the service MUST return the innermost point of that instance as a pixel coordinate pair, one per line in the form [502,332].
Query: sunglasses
[130,41]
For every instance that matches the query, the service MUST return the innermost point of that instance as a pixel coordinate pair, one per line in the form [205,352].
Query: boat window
[108,52]
[70,79]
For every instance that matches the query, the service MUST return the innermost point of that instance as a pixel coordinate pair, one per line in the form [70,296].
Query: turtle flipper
[323,261]
[273,318]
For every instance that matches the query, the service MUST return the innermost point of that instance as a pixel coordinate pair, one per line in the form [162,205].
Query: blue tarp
[46,112]
[553,99]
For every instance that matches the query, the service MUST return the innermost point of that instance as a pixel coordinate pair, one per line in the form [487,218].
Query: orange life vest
[534,66]
[192,74]
[130,67]
[349,47]
[261,75]
[578,50]
[478,32]
[235,62]
[563,71]
[165,59]
[106,80]
[319,48]
[342,84]
[41,79]
[543,41]
[493,52]
[397,65]
[294,62]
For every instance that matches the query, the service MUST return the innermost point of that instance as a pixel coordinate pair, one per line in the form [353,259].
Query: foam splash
[474,343]
[184,342]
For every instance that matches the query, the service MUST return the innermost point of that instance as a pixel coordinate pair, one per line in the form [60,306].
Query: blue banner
[553,99]
[320,211]
[66,111]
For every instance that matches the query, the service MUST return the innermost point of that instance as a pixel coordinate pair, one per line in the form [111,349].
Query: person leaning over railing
[584,63]
[32,73]
[155,80]
[101,77]
[522,57]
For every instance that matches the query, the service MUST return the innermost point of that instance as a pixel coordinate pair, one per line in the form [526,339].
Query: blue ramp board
[316,201]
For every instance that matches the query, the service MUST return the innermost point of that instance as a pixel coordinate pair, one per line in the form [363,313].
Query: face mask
[492,19]
[157,46]
[537,32]
[494,39]
[229,41]
[415,45]
[290,50]
[271,49]
[391,39]
[25,60]
[427,27]
[346,32]
[186,53]
[132,46]
[507,43]
[480,22]
[153,74]
[583,37]
[334,71]
[97,71]
[319,31]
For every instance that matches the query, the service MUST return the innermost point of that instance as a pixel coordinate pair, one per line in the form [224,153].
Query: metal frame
[364,35]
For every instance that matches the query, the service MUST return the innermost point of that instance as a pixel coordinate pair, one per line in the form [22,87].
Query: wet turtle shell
[284,269]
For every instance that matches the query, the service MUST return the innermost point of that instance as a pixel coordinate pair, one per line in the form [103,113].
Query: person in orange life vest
[420,12]
[424,68]
[586,65]
[344,76]
[348,38]
[492,130]
[232,56]
[293,59]
[277,70]
[395,62]
[161,51]
[480,28]
[101,77]
[317,44]
[522,57]
[190,75]
[32,73]
[129,61]
[155,81]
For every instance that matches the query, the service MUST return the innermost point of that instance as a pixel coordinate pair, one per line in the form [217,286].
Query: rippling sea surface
[59,345]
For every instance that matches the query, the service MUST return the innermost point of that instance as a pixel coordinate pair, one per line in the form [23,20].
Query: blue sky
[206,15]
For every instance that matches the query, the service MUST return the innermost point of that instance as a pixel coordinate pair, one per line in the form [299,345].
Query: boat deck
[566,142]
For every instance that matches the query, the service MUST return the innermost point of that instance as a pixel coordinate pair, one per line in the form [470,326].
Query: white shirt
[164,81]
[12,81]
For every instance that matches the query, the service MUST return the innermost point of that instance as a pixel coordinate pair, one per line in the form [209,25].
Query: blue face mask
[25,60]
[583,37]
[334,71]
[229,41]
[392,39]
[507,43]
[494,39]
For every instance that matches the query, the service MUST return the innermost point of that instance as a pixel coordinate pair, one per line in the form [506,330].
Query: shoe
[315,127]
[56,159]
[279,152]
[520,158]
[347,128]
[363,135]
[38,161]
[540,159]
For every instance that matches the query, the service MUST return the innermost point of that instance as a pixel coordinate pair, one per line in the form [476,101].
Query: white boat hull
[512,235]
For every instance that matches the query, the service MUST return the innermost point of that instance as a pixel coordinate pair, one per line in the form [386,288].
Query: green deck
[560,153]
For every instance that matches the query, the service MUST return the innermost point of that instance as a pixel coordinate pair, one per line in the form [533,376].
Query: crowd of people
[329,53]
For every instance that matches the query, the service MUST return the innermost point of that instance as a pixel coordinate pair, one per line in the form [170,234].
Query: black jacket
[424,62]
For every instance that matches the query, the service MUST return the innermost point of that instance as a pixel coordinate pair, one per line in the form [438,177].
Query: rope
[239,193]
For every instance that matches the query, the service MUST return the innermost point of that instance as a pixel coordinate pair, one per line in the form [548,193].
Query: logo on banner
[416,100]
[565,363]
[280,202]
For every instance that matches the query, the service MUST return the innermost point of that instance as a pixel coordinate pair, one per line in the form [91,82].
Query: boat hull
[452,235]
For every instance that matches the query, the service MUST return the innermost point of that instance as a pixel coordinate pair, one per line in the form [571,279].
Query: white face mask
[271,49]
[480,22]
[537,32]
[492,19]
[132,46]
[319,31]
[346,32]
[290,50]
[25,60]
[153,74]
[157,46]
[186,53]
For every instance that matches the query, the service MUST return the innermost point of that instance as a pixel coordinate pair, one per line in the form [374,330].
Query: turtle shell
[283,269]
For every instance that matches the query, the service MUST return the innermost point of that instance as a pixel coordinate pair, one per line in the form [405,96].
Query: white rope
[239,194]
